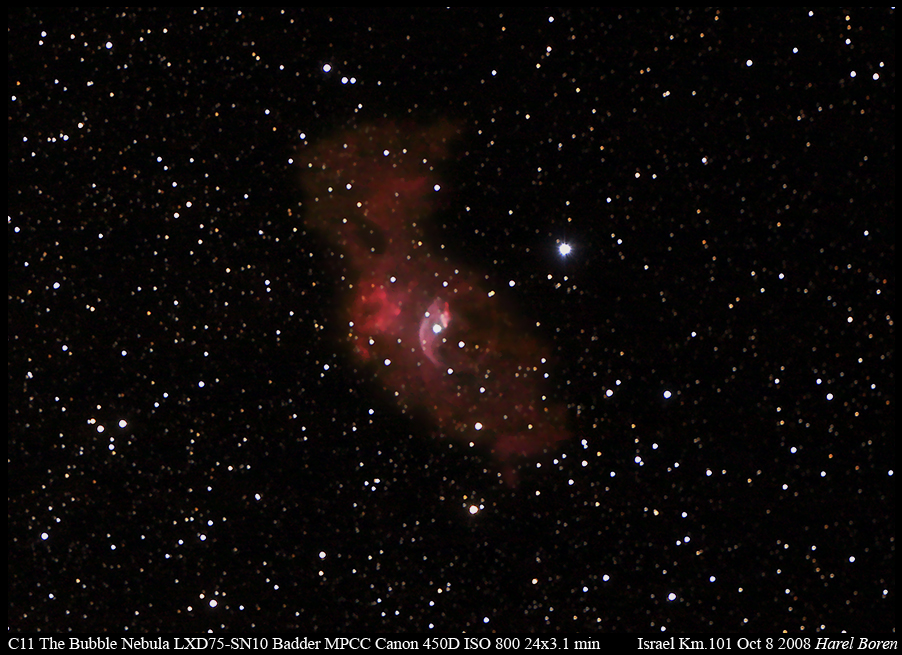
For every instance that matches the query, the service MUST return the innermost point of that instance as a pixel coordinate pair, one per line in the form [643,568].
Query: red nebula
[435,335]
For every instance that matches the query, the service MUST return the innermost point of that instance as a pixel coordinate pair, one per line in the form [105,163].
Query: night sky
[194,446]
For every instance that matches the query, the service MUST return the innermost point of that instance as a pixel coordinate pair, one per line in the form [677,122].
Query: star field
[692,209]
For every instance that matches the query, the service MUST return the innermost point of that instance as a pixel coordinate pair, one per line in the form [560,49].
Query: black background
[727,182]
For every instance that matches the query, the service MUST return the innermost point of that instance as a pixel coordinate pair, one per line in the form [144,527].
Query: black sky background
[191,446]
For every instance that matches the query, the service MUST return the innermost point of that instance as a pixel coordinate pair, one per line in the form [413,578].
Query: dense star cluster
[685,217]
